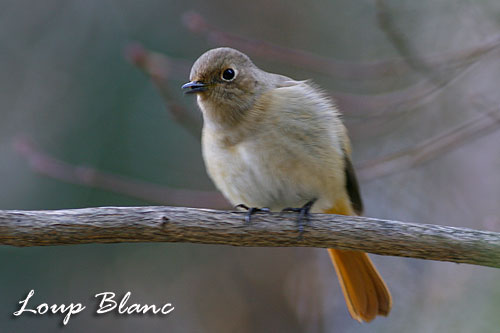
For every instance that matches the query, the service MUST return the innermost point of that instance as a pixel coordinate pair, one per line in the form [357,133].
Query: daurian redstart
[271,141]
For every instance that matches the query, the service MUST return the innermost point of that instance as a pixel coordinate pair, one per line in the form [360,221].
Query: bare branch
[87,176]
[367,171]
[160,68]
[180,224]
[307,60]
[366,107]
[430,148]
[323,65]
[400,42]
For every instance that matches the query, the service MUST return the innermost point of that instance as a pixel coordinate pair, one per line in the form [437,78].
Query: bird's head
[226,82]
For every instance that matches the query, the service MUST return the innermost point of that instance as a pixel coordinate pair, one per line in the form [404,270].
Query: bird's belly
[247,176]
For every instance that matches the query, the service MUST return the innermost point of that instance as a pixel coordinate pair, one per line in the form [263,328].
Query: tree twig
[387,24]
[180,224]
[162,68]
[84,175]
[428,149]
[159,68]
[339,69]
[422,152]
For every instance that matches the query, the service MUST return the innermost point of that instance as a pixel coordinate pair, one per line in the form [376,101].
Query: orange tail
[365,292]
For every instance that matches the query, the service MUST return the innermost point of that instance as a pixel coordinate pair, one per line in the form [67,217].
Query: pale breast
[268,171]
[291,157]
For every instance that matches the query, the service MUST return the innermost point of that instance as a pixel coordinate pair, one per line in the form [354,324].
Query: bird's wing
[352,186]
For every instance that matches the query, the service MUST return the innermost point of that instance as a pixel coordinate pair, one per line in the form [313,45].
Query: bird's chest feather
[260,172]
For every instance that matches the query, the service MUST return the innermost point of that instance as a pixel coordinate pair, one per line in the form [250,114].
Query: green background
[66,86]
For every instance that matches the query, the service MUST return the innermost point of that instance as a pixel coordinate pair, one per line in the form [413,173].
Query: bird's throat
[221,116]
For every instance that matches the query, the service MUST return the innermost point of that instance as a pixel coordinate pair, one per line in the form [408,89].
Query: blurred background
[90,117]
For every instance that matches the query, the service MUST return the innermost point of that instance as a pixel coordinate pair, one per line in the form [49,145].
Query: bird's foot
[251,211]
[304,212]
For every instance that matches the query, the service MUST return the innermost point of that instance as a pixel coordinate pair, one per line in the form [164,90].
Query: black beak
[194,87]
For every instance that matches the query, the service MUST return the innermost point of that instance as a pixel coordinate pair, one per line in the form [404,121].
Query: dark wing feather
[352,186]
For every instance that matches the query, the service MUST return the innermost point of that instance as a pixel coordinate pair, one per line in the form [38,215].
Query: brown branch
[430,148]
[87,176]
[339,69]
[386,104]
[159,68]
[400,42]
[307,60]
[367,171]
[180,224]
[395,103]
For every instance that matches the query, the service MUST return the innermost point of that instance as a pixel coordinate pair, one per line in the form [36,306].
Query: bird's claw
[251,211]
[304,212]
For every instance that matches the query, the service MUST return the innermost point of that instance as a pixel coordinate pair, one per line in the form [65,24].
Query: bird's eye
[228,74]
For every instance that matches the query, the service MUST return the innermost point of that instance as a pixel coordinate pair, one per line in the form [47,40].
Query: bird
[275,142]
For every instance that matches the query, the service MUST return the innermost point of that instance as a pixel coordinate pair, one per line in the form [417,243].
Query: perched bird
[271,141]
